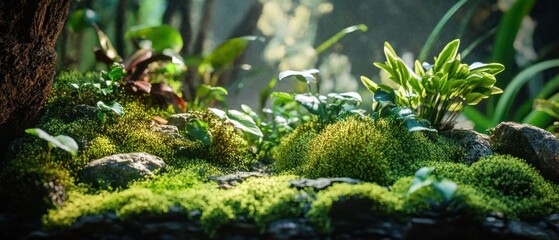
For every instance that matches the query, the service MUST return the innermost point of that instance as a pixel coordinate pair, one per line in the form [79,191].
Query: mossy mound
[292,153]
[381,202]
[516,183]
[228,147]
[376,151]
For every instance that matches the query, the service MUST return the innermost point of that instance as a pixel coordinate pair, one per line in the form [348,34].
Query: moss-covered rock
[516,183]
[381,202]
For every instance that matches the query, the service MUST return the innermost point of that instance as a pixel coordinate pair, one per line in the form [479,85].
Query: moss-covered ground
[381,153]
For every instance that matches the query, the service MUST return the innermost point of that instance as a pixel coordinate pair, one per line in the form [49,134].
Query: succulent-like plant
[437,92]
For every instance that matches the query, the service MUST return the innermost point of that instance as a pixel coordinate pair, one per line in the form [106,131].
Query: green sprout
[63,142]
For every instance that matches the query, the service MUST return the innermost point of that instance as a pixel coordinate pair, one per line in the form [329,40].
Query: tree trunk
[28,33]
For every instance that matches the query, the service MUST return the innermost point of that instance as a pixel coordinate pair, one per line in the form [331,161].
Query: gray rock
[476,145]
[320,183]
[228,181]
[537,146]
[84,111]
[120,169]
[170,130]
[179,120]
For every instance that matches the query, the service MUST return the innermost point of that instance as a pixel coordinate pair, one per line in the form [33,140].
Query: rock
[120,169]
[476,145]
[179,120]
[320,183]
[83,111]
[228,181]
[170,130]
[291,229]
[537,146]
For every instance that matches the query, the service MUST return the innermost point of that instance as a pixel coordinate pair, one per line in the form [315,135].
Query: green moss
[373,151]
[383,202]
[259,199]
[34,181]
[99,147]
[228,148]
[292,153]
[456,172]
[467,201]
[516,183]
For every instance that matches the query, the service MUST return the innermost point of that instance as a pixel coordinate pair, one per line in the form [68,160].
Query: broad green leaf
[496,90]
[199,130]
[491,68]
[384,96]
[418,69]
[61,141]
[447,54]
[351,97]
[114,107]
[218,112]
[424,172]
[446,188]
[161,37]
[281,98]
[117,72]
[369,84]
[309,102]
[474,98]
[243,122]
[413,125]
[225,54]
[305,76]
[82,19]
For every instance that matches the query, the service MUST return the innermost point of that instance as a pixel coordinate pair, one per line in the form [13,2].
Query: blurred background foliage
[521,34]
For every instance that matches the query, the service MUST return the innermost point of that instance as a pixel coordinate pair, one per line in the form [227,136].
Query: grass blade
[437,30]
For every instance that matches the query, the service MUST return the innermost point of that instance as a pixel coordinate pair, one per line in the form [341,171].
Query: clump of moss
[383,202]
[35,180]
[258,199]
[457,172]
[292,153]
[516,183]
[228,147]
[352,148]
[99,147]
[467,201]
[378,151]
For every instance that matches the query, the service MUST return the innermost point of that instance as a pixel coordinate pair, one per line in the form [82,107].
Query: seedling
[63,142]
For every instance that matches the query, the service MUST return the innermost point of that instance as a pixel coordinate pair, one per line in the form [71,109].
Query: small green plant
[61,141]
[424,178]
[328,108]
[384,107]
[198,130]
[239,120]
[110,111]
[438,92]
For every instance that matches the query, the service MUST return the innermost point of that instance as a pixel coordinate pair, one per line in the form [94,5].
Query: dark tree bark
[28,33]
